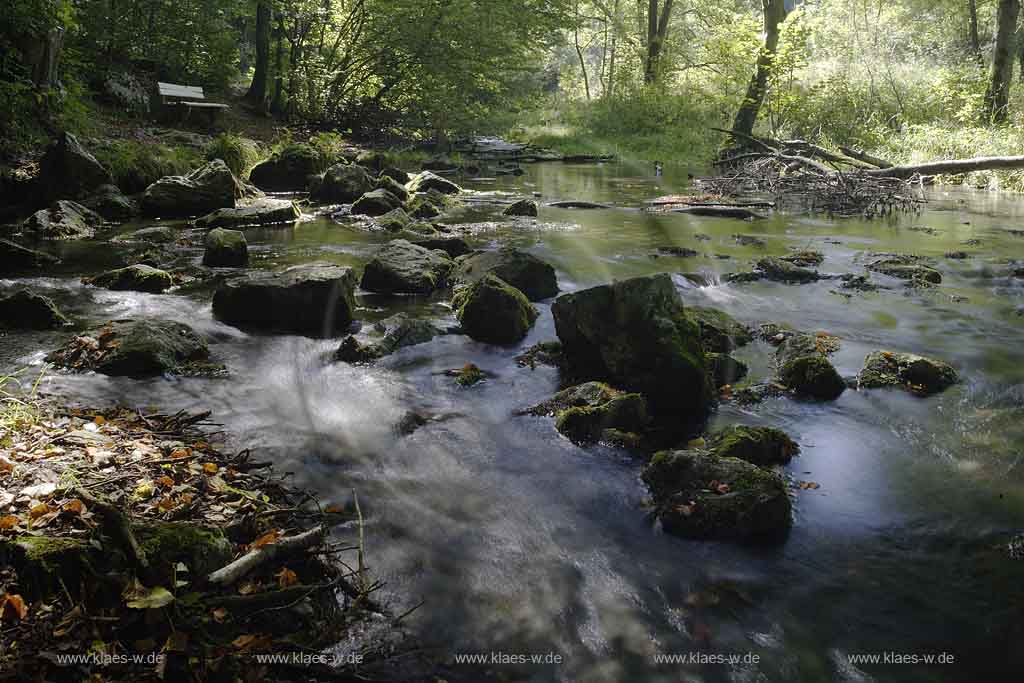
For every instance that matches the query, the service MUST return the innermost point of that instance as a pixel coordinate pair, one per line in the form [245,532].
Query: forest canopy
[910,79]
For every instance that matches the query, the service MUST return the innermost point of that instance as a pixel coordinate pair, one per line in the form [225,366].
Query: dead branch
[233,571]
[950,167]
[861,155]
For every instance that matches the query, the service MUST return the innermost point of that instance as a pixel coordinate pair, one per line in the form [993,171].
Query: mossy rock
[918,374]
[906,268]
[725,370]
[402,267]
[27,310]
[493,311]
[805,369]
[636,334]
[700,495]
[44,563]
[524,271]
[426,181]
[393,186]
[225,249]
[202,549]
[135,278]
[761,446]
[133,348]
[395,220]
[375,203]
[781,270]
[342,183]
[288,168]
[719,331]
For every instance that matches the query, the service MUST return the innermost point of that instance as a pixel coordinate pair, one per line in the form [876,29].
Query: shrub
[136,165]
[240,154]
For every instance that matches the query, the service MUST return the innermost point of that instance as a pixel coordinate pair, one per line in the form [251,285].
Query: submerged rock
[527,273]
[918,374]
[313,298]
[636,334]
[109,202]
[761,446]
[375,203]
[719,331]
[287,169]
[225,249]
[27,310]
[493,311]
[259,212]
[67,169]
[781,270]
[725,369]
[524,207]
[905,268]
[402,267]
[15,258]
[425,181]
[64,220]
[585,413]
[399,331]
[158,234]
[343,183]
[135,278]
[210,187]
[703,496]
[805,258]
[136,348]
[804,368]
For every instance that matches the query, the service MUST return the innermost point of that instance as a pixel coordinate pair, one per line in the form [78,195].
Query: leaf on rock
[9,522]
[12,607]
[266,539]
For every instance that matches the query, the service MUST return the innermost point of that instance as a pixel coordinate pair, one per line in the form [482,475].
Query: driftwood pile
[799,175]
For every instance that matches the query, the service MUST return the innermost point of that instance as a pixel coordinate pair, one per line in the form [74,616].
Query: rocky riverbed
[794,387]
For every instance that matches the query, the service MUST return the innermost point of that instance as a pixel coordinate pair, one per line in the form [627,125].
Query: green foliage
[330,147]
[240,154]
[136,165]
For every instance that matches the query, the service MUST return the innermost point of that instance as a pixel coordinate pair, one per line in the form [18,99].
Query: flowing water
[521,543]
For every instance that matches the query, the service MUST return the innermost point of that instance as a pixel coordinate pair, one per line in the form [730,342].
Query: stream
[519,542]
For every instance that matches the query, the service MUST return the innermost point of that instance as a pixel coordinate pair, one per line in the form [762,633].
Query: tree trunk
[746,117]
[258,89]
[579,51]
[657,32]
[972,11]
[277,104]
[617,12]
[998,94]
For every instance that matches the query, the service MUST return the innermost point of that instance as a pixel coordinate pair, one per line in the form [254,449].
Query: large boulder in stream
[783,270]
[316,299]
[68,170]
[109,202]
[259,212]
[210,187]
[527,273]
[719,331]
[493,311]
[703,496]
[400,267]
[396,188]
[594,411]
[918,374]
[343,183]
[376,203]
[15,258]
[27,310]
[225,249]
[636,334]
[64,220]
[135,348]
[426,181]
[287,169]
[134,278]
[804,368]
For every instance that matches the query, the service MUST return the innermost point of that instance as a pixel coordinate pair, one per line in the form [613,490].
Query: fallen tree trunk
[949,167]
[865,157]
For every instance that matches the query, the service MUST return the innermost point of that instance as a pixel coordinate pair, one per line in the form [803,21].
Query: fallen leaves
[286,577]
[9,522]
[140,597]
[266,539]
[808,485]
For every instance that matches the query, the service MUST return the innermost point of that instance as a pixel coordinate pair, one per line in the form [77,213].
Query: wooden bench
[184,99]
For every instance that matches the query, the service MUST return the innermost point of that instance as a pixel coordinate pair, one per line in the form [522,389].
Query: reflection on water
[519,541]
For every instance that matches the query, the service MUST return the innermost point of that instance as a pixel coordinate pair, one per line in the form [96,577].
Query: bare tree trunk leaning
[774,14]
[998,94]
